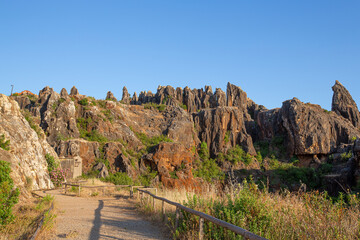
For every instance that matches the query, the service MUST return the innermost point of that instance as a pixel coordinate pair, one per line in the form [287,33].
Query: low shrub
[4,144]
[119,178]
[8,195]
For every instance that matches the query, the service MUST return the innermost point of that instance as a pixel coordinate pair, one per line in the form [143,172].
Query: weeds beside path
[100,218]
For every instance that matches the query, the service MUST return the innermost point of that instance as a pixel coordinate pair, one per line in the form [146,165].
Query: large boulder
[344,105]
[311,130]
[173,162]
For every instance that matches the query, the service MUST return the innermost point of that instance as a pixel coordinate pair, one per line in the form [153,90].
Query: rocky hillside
[26,151]
[164,133]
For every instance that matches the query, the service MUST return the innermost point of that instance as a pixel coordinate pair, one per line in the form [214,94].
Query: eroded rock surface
[344,105]
[27,151]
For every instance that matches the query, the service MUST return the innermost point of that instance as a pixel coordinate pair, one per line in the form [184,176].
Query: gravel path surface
[105,218]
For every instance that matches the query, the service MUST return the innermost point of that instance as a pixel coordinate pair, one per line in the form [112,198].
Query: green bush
[84,102]
[209,171]
[147,177]
[160,107]
[4,144]
[52,164]
[236,155]
[8,195]
[119,178]
[204,151]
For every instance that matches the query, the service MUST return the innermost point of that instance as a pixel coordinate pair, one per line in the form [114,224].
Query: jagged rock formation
[81,126]
[125,96]
[64,93]
[311,130]
[27,149]
[222,128]
[344,105]
[110,96]
[74,91]
[173,162]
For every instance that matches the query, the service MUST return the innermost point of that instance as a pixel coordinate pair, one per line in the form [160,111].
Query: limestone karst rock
[74,91]
[344,105]
[311,130]
[125,96]
[64,93]
[222,128]
[27,149]
[110,96]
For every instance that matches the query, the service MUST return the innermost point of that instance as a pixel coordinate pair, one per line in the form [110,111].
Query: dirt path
[105,218]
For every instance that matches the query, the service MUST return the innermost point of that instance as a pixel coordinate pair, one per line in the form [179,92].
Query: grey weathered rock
[27,150]
[103,171]
[344,105]
[64,93]
[125,96]
[110,96]
[222,128]
[74,91]
[310,130]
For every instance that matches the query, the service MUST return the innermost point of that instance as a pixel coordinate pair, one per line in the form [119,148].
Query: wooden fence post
[201,228]
[154,199]
[177,216]
[163,211]
[79,189]
[65,187]
[131,192]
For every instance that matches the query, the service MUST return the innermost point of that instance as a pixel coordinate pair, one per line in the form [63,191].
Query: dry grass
[281,215]
[27,214]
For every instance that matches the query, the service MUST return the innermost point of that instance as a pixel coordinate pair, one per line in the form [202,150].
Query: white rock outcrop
[27,151]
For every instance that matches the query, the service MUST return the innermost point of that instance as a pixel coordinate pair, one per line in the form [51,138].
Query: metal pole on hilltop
[12,88]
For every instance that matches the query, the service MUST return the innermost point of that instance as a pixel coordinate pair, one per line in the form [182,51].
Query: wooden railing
[202,216]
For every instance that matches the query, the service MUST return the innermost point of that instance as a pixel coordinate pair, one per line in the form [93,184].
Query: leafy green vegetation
[4,144]
[93,135]
[84,102]
[151,142]
[52,164]
[236,155]
[209,171]
[227,137]
[160,107]
[204,151]
[147,177]
[183,106]
[119,178]
[346,156]
[8,195]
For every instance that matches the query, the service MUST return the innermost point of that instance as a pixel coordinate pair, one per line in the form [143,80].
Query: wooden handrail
[238,230]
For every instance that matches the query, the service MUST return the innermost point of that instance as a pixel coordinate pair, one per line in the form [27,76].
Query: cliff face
[123,132]
[27,149]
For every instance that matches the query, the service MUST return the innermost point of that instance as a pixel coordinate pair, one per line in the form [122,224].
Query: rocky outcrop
[174,164]
[119,161]
[344,105]
[64,93]
[311,130]
[125,96]
[222,128]
[74,91]
[87,151]
[27,150]
[110,96]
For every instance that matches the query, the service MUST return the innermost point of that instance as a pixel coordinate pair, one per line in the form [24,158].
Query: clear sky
[274,50]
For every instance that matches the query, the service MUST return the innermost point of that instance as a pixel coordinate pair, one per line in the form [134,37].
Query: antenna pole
[12,88]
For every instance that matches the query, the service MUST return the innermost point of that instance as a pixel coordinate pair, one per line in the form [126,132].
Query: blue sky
[274,50]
